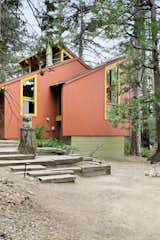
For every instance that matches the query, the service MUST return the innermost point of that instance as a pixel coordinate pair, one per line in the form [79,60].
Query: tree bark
[145,133]
[136,132]
[156,76]
[80,50]
[49,54]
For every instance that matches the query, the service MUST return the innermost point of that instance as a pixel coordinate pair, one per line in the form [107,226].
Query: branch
[145,66]
[139,48]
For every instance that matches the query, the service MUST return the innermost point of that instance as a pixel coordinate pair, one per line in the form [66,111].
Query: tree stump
[27,143]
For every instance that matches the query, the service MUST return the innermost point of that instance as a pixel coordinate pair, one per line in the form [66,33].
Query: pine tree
[155,29]
[71,23]
[11,33]
[133,21]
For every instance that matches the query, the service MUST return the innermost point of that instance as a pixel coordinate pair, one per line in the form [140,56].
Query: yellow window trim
[2,87]
[105,90]
[28,99]
[63,51]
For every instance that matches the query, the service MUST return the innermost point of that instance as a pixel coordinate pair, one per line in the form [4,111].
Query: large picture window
[29,96]
[111,89]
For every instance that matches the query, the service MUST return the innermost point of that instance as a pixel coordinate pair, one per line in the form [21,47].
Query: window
[65,56]
[111,89]
[26,69]
[60,55]
[56,55]
[29,96]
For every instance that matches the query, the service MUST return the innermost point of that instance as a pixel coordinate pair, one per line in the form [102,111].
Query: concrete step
[11,157]
[8,151]
[48,172]
[58,178]
[57,160]
[50,151]
[75,169]
[67,159]
[96,170]
[16,162]
[27,168]
[13,145]
[6,142]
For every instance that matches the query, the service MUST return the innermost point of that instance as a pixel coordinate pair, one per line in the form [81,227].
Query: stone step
[6,142]
[58,178]
[15,162]
[50,151]
[48,172]
[17,157]
[75,169]
[8,152]
[96,170]
[67,159]
[57,160]
[13,145]
[27,168]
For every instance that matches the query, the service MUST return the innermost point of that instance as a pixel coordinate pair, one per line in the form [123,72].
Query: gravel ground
[123,206]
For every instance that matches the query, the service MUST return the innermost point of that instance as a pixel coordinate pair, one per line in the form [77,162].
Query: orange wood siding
[83,108]
[46,104]
[12,118]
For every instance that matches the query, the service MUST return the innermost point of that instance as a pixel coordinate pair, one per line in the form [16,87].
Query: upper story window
[38,61]
[56,54]
[112,88]
[29,96]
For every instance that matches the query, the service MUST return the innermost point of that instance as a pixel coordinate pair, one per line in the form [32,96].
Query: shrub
[53,142]
[127,149]
[39,131]
[145,152]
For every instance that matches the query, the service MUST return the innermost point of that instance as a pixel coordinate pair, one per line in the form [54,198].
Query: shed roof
[89,71]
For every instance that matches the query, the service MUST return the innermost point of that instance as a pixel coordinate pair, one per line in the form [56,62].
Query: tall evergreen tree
[71,22]
[11,36]
[133,22]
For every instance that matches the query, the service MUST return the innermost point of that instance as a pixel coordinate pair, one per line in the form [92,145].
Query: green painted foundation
[101,147]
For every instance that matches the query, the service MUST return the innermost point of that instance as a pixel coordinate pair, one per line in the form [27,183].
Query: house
[69,98]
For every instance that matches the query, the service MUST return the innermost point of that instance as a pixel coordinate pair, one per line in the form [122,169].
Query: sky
[90,56]
[32,23]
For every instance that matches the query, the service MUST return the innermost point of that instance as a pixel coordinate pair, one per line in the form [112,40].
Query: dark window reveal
[28,88]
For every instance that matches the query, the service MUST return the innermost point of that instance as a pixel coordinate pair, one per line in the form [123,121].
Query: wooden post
[27,143]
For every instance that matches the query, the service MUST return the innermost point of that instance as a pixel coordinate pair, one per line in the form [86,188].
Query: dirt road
[123,206]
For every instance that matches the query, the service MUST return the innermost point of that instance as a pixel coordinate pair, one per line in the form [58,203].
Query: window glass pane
[109,106]
[65,57]
[25,107]
[28,88]
[114,96]
[56,55]
[28,107]
[114,75]
[31,107]
[109,94]
[112,89]
[26,70]
[109,78]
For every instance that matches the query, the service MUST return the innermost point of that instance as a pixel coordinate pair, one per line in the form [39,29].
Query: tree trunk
[27,143]
[80,49]
[156,76]
[136,132]
[136,143]
[145,128]
[49,55]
